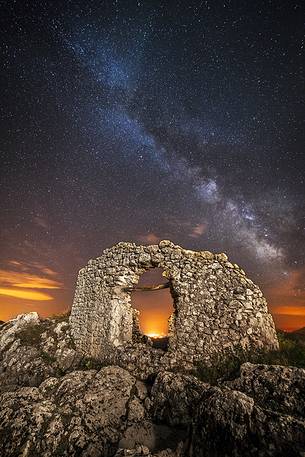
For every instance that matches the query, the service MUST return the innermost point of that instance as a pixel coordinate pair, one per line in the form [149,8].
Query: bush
[31,335]
[291,353]
[92,364]
[61,317]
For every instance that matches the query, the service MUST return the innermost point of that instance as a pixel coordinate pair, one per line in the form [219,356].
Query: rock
[228,423]
[82,413]
[142,360]
[175,398]
[32,350]
[273,386]
[54,402]
[11,328]
[144,451]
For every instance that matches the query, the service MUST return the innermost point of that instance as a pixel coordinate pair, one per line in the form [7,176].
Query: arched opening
[155,306]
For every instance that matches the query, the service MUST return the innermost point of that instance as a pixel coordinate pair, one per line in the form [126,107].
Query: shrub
[31,335]
[290,353]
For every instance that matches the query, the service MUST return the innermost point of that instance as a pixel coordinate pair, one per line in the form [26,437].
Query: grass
[290,353]
[60,317]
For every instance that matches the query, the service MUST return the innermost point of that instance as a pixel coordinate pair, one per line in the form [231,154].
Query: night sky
[148,120]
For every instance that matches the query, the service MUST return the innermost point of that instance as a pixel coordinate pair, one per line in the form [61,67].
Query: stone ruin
[217,309]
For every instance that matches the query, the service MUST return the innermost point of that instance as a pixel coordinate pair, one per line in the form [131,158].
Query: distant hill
[296,335]
[300,331]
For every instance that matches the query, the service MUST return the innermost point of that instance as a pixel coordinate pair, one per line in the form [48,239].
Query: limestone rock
[228,423]
[274,387]
[82,413]
[175,397]
[142,360]
[52,406]
[10,329]
[32,350]
[144,451]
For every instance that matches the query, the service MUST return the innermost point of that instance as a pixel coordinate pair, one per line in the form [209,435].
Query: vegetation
[31,335]
[291,353]
[60,316]
[48,357]
[89,363]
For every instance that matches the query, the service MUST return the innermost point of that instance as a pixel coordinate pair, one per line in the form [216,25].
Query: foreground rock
[224,422]
[82,411]
[32,349]
[144,451]
[54,404]
[87,413]
[273,387]
[229,423]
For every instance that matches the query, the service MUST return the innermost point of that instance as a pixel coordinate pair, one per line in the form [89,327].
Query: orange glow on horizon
[21,284]
[153,323]
[155,307]
[289,310]
[286,301]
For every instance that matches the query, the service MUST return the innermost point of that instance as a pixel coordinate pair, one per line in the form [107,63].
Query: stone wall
[216,307]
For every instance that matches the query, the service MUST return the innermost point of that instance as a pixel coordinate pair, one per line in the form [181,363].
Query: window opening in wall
[152,298]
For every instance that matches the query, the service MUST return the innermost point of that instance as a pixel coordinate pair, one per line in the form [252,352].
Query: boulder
[175,398]
[32,349]
[83,413]
[221,421]
[228,423]
[53,403]
[273,387]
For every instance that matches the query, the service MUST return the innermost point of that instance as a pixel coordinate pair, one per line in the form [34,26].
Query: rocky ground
[56,403]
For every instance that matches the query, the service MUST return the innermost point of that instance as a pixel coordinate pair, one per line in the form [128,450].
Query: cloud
[150,238]
[49,271]
[31,266]
[197,230]
[25,278]
[25,294]
[41,222]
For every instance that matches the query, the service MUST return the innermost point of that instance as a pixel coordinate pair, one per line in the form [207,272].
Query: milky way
[139,121]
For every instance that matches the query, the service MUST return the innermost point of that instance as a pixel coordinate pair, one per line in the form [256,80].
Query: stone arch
[216,308]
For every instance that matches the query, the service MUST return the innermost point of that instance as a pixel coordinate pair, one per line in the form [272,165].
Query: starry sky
[149,120]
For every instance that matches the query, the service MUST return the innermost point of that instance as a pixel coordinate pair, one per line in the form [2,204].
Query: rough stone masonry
[217,309]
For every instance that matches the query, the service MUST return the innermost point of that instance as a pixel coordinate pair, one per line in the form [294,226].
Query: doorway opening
[153,299]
